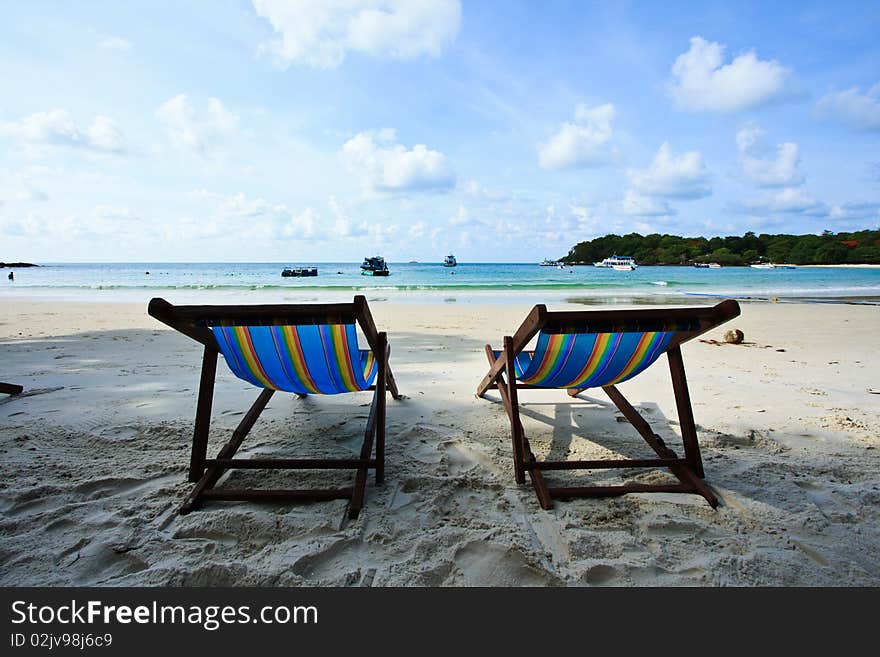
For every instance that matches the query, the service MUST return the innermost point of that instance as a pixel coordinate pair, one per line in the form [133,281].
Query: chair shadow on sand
[597,423]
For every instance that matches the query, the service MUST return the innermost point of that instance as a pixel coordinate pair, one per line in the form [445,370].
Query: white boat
[550,263]
[450,261]
[618,263]
[763,265]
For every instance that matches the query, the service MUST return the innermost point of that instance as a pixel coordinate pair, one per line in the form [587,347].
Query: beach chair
[578,350]
[10,389]
[303,349]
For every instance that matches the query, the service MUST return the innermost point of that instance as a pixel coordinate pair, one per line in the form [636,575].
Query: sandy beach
[95,452]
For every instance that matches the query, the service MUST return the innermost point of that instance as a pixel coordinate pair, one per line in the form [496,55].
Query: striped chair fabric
[305,359]
[588,360]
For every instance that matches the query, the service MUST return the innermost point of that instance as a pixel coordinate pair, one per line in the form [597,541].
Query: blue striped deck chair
[579,350]
[307,349]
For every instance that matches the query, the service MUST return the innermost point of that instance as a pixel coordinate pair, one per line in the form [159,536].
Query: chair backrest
[303,348]
[316,359]
[587,349]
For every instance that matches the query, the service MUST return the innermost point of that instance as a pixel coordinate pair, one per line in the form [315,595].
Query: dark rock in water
[734,337]
[17,264]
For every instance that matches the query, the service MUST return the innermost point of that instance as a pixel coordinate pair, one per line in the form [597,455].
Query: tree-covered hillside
[861,247]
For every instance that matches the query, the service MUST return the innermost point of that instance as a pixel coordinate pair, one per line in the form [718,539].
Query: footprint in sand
[460,458]
[832,508]
[483,563]
[338,563]
[602,575]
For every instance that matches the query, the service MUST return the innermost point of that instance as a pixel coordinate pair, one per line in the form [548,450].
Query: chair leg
[685,412]
[213,473]
[516,428]
[381,380]
[684,472]
[523,457]
[360,479]
[203,414]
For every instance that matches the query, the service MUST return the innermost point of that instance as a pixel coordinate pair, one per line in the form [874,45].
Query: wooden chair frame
[10,389]
[206,472]
[688,470]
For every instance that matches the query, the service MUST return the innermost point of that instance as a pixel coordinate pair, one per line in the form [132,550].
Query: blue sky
[320,130]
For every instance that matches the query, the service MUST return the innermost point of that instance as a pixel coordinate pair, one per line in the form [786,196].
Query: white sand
[94,457]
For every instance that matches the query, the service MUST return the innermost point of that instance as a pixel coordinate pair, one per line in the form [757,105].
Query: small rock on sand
[734,337]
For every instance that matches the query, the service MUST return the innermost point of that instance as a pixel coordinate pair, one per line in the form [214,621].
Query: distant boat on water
[450,261]
[617,263]
[550,263]
[299,271]
[707,265]
[374,266]
[770,265]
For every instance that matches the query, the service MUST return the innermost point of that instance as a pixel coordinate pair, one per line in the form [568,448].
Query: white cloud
[637,205]
[305,226]
[682,176]
[853,210]
[418,230]
[386,166]
[857,110]
[344,226]
[193,129]
[582,143]
[115,43]
[19,186]
[791,200]
[702,82]
[57,128]
[764,166]
[101,223]
[319,33]
[461,217]
[476,190]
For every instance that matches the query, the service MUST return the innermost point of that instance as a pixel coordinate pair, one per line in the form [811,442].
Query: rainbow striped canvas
[306,359]
[589,360]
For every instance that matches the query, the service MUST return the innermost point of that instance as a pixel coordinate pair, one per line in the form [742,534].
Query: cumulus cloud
[582,143]
[702,82]
[856,210]
[101,223]
[319,33]
[791,200]
[57,128]
[853,108]
[476,190]
[387,166]
[764,166]
[195,129]
[682,176]
[637,205]
[19,186]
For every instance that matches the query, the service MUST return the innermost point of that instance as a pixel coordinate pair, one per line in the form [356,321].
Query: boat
[707,265]
[374,266]
[299,271]
[550,263]
[450,261]
[763,265]
[617,263]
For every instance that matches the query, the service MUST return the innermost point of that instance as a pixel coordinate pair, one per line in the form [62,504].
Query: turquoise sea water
[431,282]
